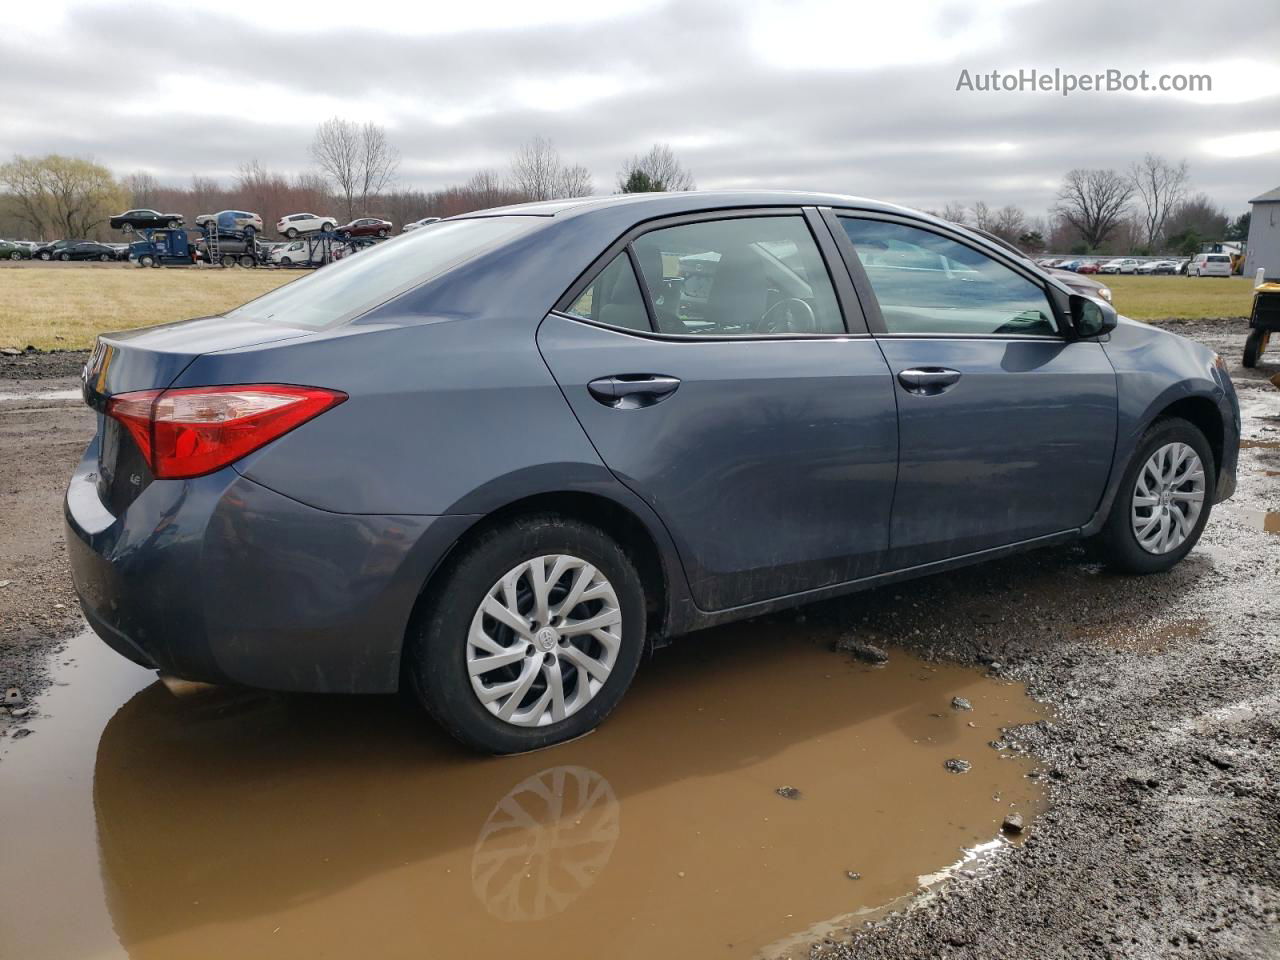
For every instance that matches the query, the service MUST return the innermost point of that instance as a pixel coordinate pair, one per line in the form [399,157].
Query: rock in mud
[13,697]
[791,793]
[862,651]
[20,733]
[1012,823]
[853,875]
[958,766]
[960,703]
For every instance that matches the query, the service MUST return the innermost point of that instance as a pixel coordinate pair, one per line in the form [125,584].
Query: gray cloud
[147,87]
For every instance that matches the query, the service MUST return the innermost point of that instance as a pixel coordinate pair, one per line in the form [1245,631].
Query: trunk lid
[152,359]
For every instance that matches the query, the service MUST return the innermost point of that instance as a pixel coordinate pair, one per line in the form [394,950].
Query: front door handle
[928,381]
[630,391]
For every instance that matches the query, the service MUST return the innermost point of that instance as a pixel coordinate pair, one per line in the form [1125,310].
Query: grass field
[63,308]
[1158,298]
[66,307]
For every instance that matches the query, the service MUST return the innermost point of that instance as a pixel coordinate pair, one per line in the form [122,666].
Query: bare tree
[654,172]
[955,212]
[1008,223]
[358,160]
[575,181]
[488,190]
[142,188]
[981,214]
[535,170]
[1160,186]
[1094,202]
[206,194]
[379,162]
[538,173]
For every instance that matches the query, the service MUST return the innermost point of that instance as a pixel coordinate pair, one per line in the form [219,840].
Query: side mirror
[1091,318]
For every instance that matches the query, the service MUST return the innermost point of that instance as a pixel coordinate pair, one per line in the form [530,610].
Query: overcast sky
[843,96]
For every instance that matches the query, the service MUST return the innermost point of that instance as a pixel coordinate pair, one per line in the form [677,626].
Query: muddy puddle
[219,823]
[1265,520]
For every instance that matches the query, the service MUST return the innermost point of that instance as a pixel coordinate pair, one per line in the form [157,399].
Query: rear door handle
[629,391]
[928,381]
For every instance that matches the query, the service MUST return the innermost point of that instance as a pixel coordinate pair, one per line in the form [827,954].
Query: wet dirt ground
[229,823]
[140,823]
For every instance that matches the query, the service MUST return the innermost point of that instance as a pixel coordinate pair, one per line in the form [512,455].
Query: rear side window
[614,297]
[355,285]
[748,276]
[929,284]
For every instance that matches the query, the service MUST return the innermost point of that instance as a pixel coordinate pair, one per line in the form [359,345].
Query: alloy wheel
[1167,498]
[544,640]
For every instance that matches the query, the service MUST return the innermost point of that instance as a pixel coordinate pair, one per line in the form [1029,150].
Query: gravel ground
[1161,758]
[40,443]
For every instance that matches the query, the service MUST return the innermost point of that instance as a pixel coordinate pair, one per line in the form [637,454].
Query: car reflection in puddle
[234,823]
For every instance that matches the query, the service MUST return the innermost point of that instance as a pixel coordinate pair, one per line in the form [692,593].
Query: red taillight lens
[197,430]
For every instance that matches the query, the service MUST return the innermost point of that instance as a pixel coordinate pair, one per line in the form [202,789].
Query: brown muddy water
[223,823]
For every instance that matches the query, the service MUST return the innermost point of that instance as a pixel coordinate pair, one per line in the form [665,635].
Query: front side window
[929,284]
[748,276]
[355,285]
[614,297]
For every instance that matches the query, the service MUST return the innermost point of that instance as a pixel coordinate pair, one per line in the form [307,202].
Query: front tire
[503,662]
[1164,500]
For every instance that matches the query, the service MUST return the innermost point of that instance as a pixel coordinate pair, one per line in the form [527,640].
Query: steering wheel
[807,324]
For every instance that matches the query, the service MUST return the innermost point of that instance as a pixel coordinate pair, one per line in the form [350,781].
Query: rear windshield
[1219,258]
[362,281]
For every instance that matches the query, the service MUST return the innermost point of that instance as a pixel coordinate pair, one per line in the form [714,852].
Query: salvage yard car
[232,222]
[1120,265]
[365,227]
[296,223]
[1209,265]
[88,250]
[495,461]
[14,250]
[144,219]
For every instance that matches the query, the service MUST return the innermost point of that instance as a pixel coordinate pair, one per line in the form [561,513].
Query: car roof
[690,202]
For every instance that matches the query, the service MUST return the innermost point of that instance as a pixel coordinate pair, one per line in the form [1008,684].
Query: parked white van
[1209,265]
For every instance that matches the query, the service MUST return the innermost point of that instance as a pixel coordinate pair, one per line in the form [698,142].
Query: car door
[1007,426]
[758,426]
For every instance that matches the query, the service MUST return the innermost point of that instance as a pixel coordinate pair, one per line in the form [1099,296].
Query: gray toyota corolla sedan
[499,457]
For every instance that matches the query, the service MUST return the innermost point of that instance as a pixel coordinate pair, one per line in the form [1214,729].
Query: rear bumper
[222,580]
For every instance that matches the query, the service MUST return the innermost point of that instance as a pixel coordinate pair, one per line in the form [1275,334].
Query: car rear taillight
[196,430]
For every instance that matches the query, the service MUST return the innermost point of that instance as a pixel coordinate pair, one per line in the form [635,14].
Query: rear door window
[745,276]
[613,298]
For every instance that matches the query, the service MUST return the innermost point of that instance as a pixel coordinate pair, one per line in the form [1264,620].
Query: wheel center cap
[546,638]
[1165,498]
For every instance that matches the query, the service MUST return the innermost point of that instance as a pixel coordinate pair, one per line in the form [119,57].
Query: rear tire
[1254,346]
[441,657]
[1118,540]
[291,233]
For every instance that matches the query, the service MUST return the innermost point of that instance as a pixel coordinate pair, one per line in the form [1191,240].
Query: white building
[1264,235]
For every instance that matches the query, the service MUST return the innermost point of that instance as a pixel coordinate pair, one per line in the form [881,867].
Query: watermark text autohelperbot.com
[1065,83]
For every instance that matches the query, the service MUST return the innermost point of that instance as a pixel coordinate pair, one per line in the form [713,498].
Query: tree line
[354,173]
[1148,209]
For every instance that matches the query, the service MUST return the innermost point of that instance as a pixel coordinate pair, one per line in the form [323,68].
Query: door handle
[928,381]
[630,391]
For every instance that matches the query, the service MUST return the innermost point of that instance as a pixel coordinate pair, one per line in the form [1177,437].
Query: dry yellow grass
[1158,298]
[65,307]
